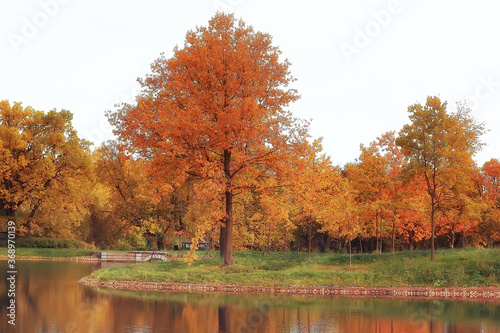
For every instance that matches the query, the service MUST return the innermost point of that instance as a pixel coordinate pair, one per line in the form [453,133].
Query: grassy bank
[47,253]
[452,268]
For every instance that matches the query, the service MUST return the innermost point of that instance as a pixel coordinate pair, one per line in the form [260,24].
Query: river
[50,299]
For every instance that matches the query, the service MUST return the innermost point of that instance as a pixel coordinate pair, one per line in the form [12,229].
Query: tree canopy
[441,147]
[41,158]
[216,110]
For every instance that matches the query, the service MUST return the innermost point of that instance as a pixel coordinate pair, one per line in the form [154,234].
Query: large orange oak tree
[216,110]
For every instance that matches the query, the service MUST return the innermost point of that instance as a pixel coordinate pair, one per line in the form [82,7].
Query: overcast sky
[359,64]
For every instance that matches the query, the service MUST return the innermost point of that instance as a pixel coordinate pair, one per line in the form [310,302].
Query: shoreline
[443,293]
[86,259]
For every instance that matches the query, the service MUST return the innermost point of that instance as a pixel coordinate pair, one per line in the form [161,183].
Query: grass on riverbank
[452,268]
[47,253]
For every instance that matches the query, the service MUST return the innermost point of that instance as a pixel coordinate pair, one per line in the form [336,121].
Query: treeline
[210,152]
[53,185]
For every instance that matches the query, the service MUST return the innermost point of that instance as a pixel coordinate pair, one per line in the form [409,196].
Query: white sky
[359,64]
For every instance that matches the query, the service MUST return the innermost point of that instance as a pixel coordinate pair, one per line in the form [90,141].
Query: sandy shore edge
[473,293]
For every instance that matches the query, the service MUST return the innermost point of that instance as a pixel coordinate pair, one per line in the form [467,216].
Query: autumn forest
[211,152]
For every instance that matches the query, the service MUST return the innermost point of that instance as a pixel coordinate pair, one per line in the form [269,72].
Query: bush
[121,245]
[51,243]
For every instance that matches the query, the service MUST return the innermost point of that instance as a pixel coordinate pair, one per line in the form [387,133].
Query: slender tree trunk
[328,243]
[298,240]
[453,236]
[433,217]
[350,253]
[394,235]
[309,247]
[377,249]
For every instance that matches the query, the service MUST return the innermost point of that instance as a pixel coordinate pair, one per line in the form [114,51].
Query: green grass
[47,253]
[452,268]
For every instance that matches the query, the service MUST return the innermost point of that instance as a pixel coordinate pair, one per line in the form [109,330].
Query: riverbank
[474,293]
[49,253]
[451,269]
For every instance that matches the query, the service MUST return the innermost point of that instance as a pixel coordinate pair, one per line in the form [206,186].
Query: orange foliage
[215,111]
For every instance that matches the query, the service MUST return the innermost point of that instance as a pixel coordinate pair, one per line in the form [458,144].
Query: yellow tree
[127,203]
[39,152]
[340,216]
[369,178]
[396,190]
[216,110]
[440,147]
[317,187]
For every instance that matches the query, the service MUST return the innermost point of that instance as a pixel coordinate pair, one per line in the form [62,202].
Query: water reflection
[49,299]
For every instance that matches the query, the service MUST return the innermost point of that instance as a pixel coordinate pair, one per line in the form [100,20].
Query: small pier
[132,256]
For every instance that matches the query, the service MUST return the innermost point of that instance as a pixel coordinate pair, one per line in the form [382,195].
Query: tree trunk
[433,217]
[350,253]
[394,236]
[453,236]
[9,212]
[328,243]
[309,247]
[464,239]
[298,240]
[222,239]
[228,239]
[228,249]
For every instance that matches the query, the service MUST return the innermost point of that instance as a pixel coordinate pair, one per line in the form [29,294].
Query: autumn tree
[216,110]
[316,187]
[40,156]
[128,205]
[369,179]
[396,189]
[440,147]
[488,188]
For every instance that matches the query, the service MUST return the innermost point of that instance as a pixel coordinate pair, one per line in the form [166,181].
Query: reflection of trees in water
[49,293]
[258,313]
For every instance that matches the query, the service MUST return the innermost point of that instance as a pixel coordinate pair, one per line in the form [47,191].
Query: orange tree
[488,186]
[216,111]
[440,147]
